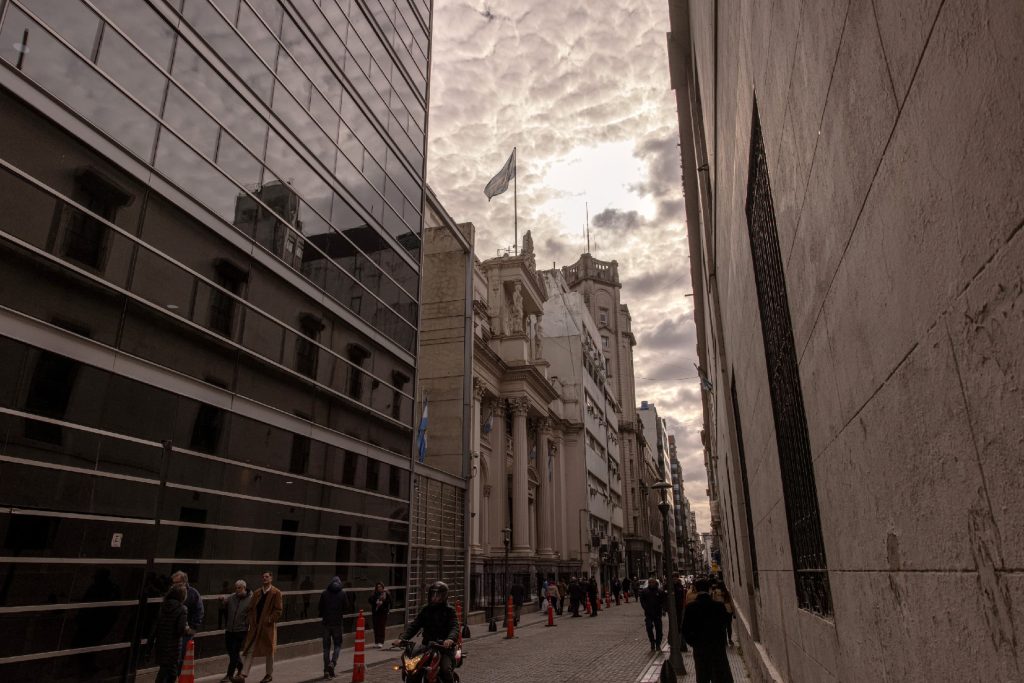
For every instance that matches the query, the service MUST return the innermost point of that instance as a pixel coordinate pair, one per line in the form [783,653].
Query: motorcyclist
[438,622]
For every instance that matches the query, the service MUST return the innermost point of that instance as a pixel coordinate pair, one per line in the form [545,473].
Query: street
[611,647]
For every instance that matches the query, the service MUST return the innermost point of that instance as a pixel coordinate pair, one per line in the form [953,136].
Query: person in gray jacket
[236,626]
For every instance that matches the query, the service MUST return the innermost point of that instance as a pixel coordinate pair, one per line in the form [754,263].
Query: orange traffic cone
[551,616]
[510,620]
[359,658]
[188,666]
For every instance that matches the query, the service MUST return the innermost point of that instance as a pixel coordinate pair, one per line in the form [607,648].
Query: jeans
[168,673]
[653,625]
[711,665]
[233,642]
[331,634]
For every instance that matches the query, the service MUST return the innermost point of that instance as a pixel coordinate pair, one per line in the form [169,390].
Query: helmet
[438,588]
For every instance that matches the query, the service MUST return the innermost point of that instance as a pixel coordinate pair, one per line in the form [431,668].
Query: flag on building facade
[422,435]
[489,422]
[499,183]
[705,383]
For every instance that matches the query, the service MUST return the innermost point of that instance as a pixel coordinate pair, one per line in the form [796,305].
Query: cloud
[617,220]
[584,96]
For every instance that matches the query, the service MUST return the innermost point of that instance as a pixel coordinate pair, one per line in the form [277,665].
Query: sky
[584,95]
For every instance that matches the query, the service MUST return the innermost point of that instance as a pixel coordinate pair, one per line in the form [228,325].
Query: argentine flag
[422,436]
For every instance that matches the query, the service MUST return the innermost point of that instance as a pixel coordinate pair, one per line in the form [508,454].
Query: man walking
[654,602]
[704,628]
[592,592]
[563,590]
[617,589]
[194,604]
[236,626]
[332,610]
[262,638]
[518,598]
[575,596]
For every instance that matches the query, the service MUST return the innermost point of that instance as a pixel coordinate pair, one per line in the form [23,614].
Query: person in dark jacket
[654,602]
[332,612]
[171,628]
[704,628]
[380,605]
[592,592]
[194,605]
[518,595]
[625,585]
[439,624]
[575,596]
[617,589]
[236,626]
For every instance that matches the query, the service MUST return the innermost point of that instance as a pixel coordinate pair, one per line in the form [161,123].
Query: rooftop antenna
[587,205]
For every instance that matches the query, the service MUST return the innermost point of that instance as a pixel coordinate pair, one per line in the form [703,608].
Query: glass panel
[147,29]
[75,22]
[196,176]
[58,71]
[185,116]
[126,66]
[26,211]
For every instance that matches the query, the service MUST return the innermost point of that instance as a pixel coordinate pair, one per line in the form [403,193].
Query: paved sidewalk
[611,647]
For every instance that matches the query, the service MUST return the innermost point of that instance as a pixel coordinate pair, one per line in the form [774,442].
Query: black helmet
[438,588]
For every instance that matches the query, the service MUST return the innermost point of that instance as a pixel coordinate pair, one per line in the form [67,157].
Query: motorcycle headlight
[412,662]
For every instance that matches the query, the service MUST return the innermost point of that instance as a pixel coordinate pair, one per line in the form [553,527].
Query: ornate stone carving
[478,389]
[538,337]
[498,406]
[519,406]
[528,256]
[515,315]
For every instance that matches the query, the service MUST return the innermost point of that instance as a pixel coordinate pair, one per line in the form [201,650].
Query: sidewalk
[311,667]
[652,674]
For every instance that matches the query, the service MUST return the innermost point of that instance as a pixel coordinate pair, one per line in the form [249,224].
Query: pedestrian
[704,629]
[654,602]
[616,589]
[332,613]
[625,586]
[563,591]
[552,593]
[194,604]
[171,628]
[439,623]
[380,605]
[678,596]
[719,593]
[261,641]
[236,626]
[518,594]
[575,596]
[592,592]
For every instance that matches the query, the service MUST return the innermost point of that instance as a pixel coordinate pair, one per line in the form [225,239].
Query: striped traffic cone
[188,665]
[510,619]
[551,616]
[359,658]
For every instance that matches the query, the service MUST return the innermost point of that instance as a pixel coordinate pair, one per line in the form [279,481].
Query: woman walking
[380,605]
[171,627]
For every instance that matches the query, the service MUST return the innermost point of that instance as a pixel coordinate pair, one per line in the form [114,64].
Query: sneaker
[267,679]
[330,671]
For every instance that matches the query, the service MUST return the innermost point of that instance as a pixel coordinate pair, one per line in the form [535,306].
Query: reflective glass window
[131,70]
[140,23]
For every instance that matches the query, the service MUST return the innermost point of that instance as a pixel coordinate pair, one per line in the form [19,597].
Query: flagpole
[515,200]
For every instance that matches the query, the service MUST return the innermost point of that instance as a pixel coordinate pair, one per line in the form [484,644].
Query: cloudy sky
[584,95]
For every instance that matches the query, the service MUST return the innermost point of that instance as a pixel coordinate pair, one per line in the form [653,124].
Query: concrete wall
[895,146]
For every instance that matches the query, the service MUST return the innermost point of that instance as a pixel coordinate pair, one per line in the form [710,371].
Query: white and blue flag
[422,435]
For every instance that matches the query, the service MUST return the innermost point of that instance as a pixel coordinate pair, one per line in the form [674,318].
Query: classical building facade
[209,231]
[853,175]
[591,468]
[598,283]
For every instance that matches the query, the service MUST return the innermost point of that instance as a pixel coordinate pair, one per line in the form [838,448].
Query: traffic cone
[551,616]
[188,665]
[510,620]
[587,605]
[359,658]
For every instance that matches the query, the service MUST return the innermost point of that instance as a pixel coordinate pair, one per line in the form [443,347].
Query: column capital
[498,405]
[546,426]
[519,406]
[478,389]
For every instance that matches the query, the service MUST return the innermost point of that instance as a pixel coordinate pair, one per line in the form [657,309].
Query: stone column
[520,477]
[558,511]
[545,499]
[496,517]
[476,470]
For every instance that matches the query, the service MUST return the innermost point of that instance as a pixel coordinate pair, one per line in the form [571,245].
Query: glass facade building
[210,220]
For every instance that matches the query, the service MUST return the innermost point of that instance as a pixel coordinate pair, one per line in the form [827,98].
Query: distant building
[598,283]
[657,440]
[853,181]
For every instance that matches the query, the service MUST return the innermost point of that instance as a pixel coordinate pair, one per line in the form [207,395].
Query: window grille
[807,546]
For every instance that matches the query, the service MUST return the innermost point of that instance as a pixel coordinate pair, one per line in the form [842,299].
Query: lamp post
[675,658]
[507,535]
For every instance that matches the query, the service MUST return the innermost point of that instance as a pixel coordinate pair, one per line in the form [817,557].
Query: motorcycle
[423,665]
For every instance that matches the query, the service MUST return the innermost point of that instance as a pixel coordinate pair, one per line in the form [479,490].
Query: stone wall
[895,146]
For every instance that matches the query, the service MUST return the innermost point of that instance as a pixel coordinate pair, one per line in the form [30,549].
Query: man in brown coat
[264,611]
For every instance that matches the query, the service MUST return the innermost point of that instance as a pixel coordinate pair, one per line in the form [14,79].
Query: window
[86,238]
[306,350]
[348,469]
[49,393]
[222,305]
[399,380]
[206,429]
[604,342]
[357,355]
[797,468]
[299,462]
[602,316]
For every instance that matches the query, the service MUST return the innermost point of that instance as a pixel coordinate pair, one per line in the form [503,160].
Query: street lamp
[675,658]
[507,535]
